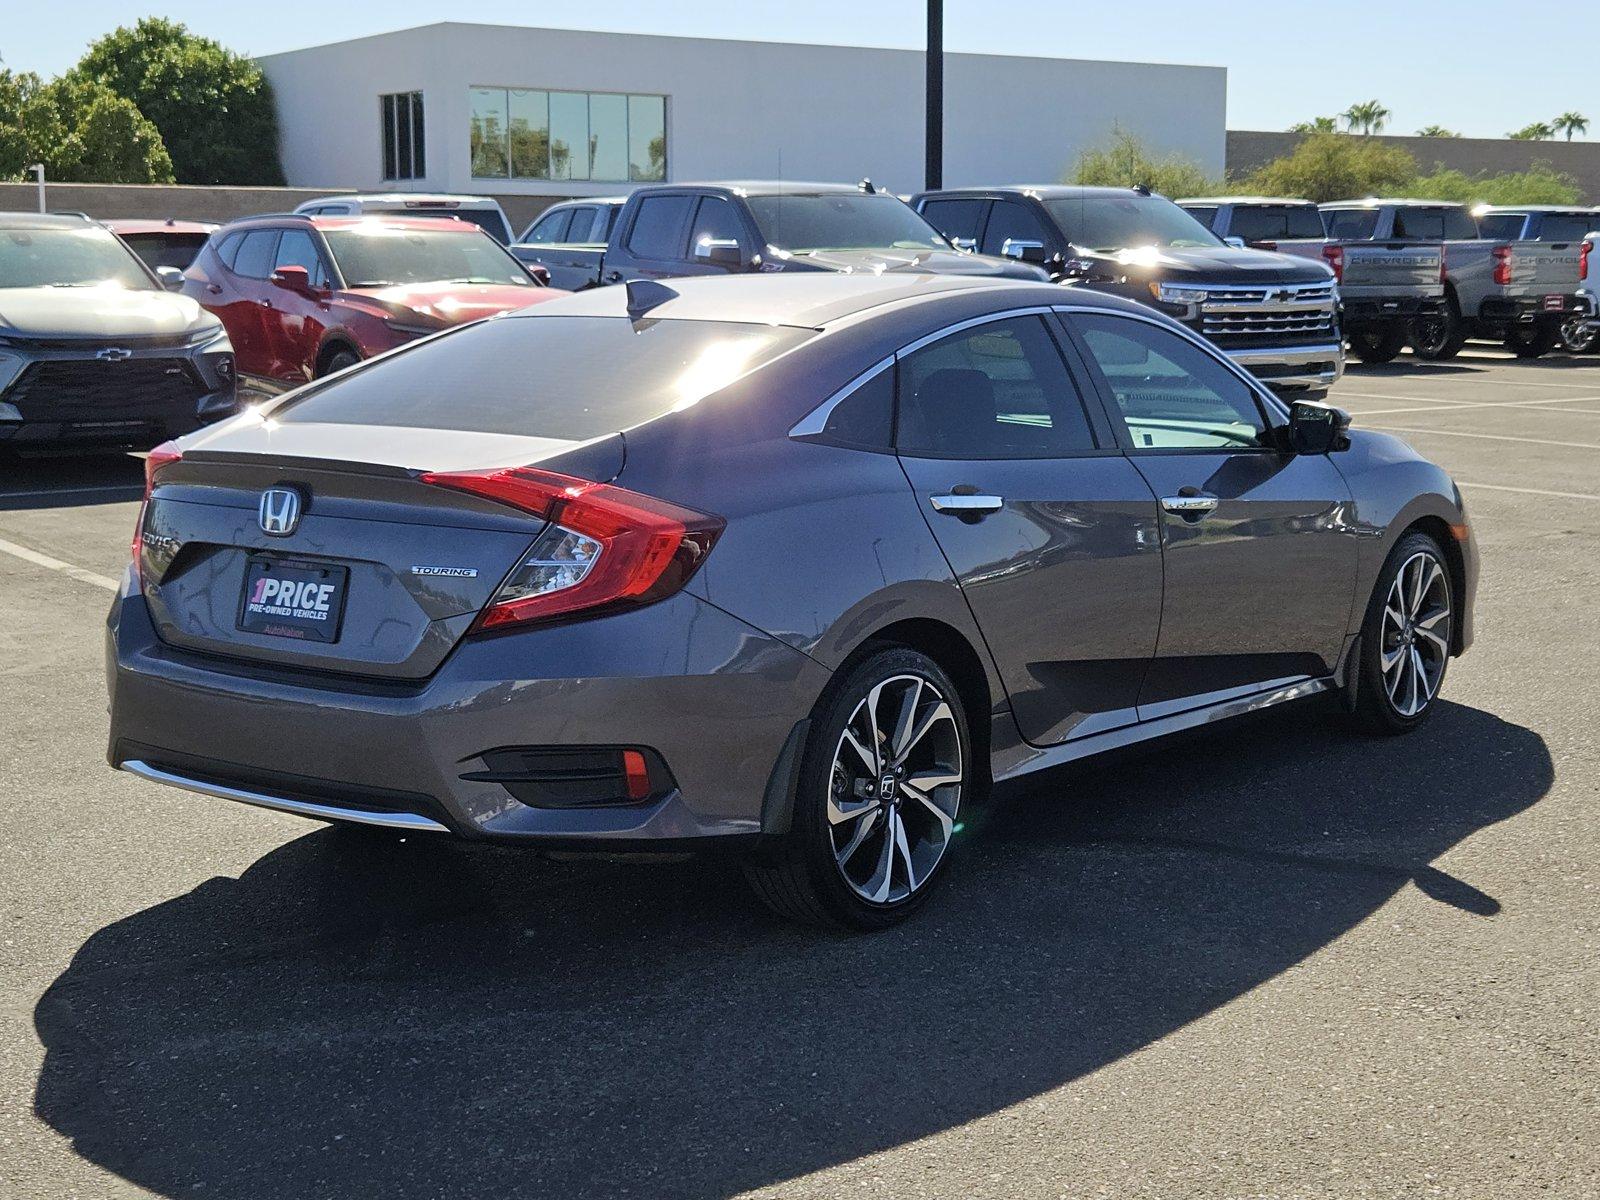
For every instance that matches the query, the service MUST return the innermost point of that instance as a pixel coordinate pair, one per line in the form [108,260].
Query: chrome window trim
[1275,406]
[815,421]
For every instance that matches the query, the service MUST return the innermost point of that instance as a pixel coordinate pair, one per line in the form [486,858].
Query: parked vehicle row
[1433,274]
[797,568]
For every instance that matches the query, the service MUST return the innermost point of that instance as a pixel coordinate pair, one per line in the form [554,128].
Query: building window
[403,150]
[606,137]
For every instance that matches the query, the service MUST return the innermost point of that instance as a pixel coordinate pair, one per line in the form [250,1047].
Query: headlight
[1170,293]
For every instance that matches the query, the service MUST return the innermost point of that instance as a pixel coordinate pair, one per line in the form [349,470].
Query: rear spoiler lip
[344,466]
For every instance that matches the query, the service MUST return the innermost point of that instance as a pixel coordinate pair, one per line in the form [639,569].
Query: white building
[535,113]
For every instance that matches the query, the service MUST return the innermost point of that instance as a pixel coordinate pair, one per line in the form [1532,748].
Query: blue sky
[1428,62]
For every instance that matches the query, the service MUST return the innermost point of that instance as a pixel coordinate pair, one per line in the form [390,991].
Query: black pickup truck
[725,228]
[1274,315]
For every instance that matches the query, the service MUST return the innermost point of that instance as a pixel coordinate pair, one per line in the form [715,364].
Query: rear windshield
[166,249]
[1350,224]
[486,219]
[1434,224]
[1277,221]
[1567,227]
[570,378]
[380,255]
[1502,227]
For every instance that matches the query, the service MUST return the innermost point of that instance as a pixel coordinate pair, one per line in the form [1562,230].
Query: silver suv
[94,348]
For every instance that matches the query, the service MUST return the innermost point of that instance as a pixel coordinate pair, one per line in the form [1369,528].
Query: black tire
[1438,338]
[1379,345]
[338,361]
[801,878]
[1580,336]
[1379,707]
[1532,341]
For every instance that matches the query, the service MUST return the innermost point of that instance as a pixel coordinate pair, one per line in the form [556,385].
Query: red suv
[302,297]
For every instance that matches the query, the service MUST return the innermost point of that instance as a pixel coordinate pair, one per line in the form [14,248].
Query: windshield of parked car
[381,255]
[1124,222]
[90,256]
[594,376]
[805,224]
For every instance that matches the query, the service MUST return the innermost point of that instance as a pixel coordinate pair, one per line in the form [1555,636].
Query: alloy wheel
[894,790]
[1415,634]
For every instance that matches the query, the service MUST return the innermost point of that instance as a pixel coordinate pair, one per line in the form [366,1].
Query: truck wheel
[1379,345]
[1532,341]
[1441,336]
[1579,336]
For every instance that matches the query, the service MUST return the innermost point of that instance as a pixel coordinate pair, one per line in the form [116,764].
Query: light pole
[38,171]
[933,163]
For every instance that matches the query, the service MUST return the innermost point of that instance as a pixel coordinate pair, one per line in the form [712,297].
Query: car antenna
[866,186]
[1142,188]
[646,294]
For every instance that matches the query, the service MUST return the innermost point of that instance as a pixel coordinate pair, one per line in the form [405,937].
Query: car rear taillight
[605,547]
[1334,257]
[1583,259]
[1502,264]
[162,456]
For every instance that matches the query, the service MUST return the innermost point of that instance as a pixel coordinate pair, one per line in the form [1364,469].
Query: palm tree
[1537,132]
[1316,125]
[1570,123]
[1436,131]
[1369,116]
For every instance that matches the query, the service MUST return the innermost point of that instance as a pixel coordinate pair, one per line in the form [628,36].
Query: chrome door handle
[959,503]
[1189,506]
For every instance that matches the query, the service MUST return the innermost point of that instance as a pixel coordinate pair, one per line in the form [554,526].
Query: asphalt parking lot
[1281,960]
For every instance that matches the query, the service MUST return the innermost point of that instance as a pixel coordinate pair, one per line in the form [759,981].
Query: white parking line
[1500,487]
[1488,437]
[1535,405]
[55,564]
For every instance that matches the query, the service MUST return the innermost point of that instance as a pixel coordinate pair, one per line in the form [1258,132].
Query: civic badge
[279,512]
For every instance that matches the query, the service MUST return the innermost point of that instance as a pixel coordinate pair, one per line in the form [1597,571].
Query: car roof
[769,187]
[1043,191]
[586,200]
[812,300]
[403,198]
[356,221]
[155,225]
[1289,200]
[1402,202]
[34,220]
[1579,210]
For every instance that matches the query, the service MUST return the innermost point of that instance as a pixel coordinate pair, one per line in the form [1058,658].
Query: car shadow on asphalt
[361,1016]
[68,481]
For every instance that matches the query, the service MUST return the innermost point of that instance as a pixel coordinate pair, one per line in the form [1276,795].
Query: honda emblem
[279,512]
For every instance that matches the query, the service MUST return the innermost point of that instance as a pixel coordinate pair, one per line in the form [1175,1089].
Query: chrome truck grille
[1286,310]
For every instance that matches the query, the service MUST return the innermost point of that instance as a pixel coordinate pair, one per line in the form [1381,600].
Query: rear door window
[1206,214]
[595,376]
[661,228]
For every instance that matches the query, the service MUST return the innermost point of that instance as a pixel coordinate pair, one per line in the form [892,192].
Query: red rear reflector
[637,774]
[1334,255]
[605,547]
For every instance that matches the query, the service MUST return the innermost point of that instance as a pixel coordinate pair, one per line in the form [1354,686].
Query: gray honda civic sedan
[796,566]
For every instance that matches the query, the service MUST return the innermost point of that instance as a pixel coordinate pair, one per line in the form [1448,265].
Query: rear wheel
[1405,638]
[339,360]
[1379,345]
[1532,341]
[1441,335]
[881,785]
[1580,335]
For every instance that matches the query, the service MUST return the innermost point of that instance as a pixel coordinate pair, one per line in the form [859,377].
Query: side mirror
[720,252]
[294,279]
[967,244]
[1236,242]
[1024,250]
[171,278]
[1317,428]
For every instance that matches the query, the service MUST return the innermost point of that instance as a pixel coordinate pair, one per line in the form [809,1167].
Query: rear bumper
[1522,310]
[716,699]
[1319,366]
[1382,310]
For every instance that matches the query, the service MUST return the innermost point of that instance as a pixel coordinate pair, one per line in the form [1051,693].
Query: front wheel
[1405,638]
[339,360]
[885,771]
[1379,345]
[1531,341]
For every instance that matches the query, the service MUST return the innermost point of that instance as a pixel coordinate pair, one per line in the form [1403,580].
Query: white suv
[480,210]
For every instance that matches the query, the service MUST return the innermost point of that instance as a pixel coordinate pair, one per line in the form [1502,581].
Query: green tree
[1330,166]
[1368,117]
[81,131]
[1316,125]
[212,107]
[1537,185]
[1124,161]
[1570,123]
[1437,131]
[1537,132]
